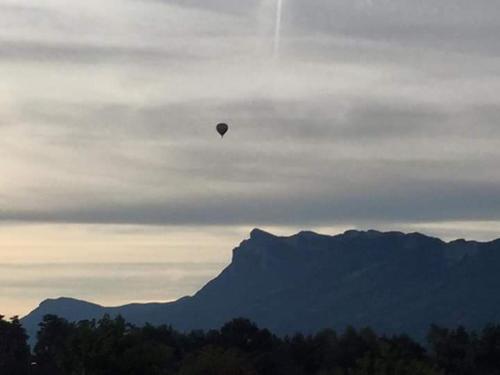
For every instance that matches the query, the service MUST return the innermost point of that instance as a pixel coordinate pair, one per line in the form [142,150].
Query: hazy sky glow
[378,113]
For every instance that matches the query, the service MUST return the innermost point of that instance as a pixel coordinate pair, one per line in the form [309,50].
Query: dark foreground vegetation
[111,346]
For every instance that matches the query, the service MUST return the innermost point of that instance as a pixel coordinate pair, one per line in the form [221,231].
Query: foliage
[111,346]
[14,350]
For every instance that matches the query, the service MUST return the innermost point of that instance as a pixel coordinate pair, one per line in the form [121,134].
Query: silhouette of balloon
[222,129]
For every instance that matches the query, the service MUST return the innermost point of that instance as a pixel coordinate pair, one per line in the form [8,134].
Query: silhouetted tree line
[113,347]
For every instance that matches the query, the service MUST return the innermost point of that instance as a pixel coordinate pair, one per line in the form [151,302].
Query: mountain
[393,282]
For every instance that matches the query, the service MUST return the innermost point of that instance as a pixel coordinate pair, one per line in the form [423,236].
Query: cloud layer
[377,110]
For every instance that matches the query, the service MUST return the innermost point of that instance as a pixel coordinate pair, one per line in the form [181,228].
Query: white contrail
[277,32]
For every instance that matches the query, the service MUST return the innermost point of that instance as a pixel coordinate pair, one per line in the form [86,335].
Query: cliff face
[393,282]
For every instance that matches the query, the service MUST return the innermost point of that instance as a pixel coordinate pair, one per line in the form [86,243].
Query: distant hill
[393,282]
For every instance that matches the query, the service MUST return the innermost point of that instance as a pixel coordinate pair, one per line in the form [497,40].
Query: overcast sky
[377,113]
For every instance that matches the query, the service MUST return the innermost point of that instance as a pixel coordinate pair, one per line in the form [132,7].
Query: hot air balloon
[222,129]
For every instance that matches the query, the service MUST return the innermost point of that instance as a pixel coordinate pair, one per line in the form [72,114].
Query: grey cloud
[379,15]
[371,121]
[346,192]
[85,54]
[17,10]
[319,119]
[222,6]
[455,25]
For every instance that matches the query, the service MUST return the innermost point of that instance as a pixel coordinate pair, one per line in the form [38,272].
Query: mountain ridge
[392,281]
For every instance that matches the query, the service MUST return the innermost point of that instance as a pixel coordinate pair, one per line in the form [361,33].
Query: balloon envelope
[222,129]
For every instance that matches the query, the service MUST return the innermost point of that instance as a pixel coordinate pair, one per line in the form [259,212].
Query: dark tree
[217,361]
[14,350]
[53,354]
[453,350]
[110,346]
[488,350]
